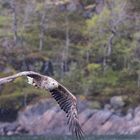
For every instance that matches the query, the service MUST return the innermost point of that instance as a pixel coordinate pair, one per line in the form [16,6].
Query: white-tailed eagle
[66,100]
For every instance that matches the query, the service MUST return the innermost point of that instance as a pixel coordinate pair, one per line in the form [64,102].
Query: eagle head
[50,84]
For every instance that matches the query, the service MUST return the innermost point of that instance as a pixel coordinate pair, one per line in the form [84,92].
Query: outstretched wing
[25,73]
[68,103]
[65,99]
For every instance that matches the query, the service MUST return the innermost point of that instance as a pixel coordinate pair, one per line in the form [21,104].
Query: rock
[85,115]
[59,121]
[92,125]
[107,107]
[45,117]
[1,131]
[11,127]
[137,111]
[9,133]
[29,122]
[130,114]
[44,122]
[93,121]
[82,104]
[115,125]
[21,130]
[117,102]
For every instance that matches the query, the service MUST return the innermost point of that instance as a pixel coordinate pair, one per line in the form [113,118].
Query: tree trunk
[87,57]
[13,7]
[138,80]
[42,28]
[64,64]
[41,36]
[109,48]
[67,42]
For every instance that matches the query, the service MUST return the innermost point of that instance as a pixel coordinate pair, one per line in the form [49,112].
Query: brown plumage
[66,100]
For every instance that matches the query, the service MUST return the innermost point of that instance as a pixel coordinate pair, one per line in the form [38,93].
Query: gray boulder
[117,102]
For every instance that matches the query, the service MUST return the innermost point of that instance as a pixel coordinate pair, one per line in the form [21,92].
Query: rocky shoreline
[45,117]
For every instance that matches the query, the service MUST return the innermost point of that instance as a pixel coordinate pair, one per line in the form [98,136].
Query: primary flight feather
[66,100]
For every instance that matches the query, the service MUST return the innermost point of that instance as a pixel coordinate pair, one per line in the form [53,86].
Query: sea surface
[112,137]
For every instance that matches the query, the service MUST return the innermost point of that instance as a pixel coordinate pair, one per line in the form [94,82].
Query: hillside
[92,47]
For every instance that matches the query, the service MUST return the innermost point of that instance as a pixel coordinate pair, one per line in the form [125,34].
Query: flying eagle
[66,100]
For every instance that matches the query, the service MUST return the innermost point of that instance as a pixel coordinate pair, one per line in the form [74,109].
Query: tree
[14,27]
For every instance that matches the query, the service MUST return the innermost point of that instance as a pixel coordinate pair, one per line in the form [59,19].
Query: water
[113,137]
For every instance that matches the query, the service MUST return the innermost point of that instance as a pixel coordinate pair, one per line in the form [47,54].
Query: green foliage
[16,100]
[87,2]
[91,71]
[95,105]
[93,67]
[73,76]
[4,20]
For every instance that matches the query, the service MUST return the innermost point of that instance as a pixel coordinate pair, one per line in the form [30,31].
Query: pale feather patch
[30,80]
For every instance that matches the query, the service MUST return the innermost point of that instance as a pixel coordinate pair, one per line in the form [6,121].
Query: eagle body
[44,82]
[66,100]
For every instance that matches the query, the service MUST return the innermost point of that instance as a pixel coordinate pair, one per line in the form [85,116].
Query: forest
[90,46]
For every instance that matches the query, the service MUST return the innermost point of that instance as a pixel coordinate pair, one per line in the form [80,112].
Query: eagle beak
[30,80]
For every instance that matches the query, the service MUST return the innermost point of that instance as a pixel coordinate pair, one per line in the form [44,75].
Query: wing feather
[65,99]
[25,73]
[68,103]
